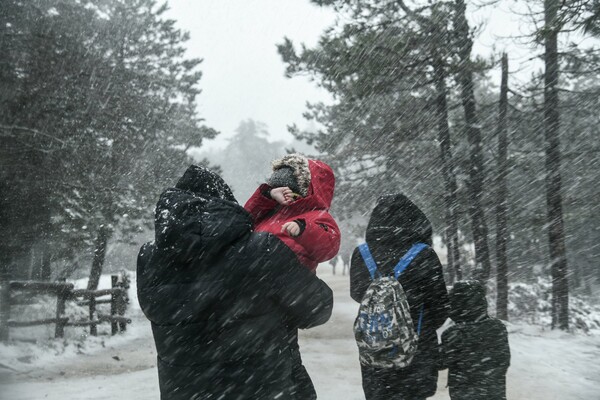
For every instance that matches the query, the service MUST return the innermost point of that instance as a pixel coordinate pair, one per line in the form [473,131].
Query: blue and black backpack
[384,329]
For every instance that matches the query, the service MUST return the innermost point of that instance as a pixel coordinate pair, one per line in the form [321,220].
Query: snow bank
[532,303]
[546,365]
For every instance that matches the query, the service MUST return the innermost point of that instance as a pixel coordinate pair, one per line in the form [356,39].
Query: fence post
[123,299]
[114,326]
[4,307]
[61,298]
[93,326]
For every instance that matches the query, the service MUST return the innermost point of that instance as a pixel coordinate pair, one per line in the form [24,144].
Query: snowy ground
[545,365]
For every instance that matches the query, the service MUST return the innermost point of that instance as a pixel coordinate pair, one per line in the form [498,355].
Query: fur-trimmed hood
[315,179]
[300,166]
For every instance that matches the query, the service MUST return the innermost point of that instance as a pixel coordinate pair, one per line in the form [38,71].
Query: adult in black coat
[396,224]
[475,349]
[219,296]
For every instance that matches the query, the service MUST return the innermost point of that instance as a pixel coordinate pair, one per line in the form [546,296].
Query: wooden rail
[41,287]
[47,321]
[12,293]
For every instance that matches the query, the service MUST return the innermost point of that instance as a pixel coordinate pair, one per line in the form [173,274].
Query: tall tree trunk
[107,199]
[502,195]
[46,265]
[450,197]
[556,232]
[102,238]
[476,170]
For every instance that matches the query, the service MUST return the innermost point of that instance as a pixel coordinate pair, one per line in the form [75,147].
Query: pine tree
[502,195]
[101,115]
[473,132]
[387,67]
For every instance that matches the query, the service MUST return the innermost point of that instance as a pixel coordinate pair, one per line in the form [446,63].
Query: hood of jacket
[396,222]
[322,184]
[315,179]
[198,217]
[203,182]
[195,223]
[468,302]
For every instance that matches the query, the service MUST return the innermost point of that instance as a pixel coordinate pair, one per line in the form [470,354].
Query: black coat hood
[397,222]
[205,183]
[189,225]
[468,302]
[189,219]
[195,222]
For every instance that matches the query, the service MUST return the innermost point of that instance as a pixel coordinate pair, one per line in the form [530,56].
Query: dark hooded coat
[219,296]
[396,224]
[475,350]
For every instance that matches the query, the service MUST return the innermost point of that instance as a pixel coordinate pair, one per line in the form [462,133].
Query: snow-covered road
[545,365]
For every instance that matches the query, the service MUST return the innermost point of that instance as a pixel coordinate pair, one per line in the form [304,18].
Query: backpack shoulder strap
[369,261]
[408,257]
[401,266]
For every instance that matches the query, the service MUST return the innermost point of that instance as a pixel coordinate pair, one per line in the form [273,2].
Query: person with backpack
[397,277]
[475,350]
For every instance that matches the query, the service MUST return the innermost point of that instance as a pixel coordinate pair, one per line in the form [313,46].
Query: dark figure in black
[220,296]
[396,224]
[475,350]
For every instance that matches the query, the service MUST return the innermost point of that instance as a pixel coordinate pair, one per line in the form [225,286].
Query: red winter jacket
[320,239]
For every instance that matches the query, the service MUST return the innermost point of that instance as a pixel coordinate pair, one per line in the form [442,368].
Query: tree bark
[450,197]
[502,195]
[476,170]
[556,232]
[46,265]
[99,255]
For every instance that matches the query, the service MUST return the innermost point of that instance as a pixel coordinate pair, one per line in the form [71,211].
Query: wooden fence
[11,293]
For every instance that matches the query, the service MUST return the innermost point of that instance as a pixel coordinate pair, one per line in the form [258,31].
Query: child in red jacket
[294,206]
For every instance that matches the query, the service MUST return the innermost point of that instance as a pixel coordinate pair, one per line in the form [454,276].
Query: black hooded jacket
[475,350]
[219,296]
[396,224]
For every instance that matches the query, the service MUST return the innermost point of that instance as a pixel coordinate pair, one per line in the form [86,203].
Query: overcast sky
[243,75]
